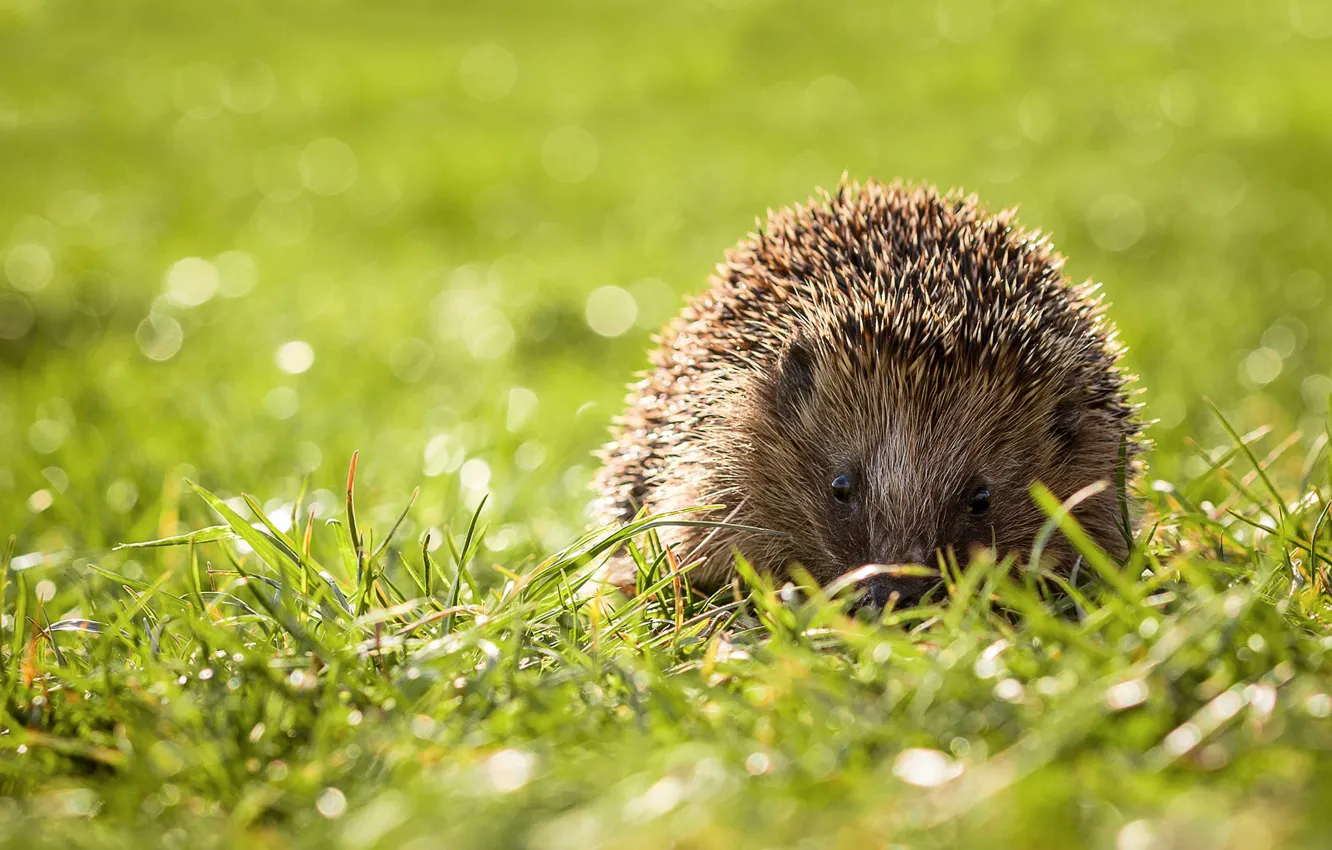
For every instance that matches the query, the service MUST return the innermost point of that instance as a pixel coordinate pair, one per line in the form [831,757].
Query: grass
[240,242]
[277,689]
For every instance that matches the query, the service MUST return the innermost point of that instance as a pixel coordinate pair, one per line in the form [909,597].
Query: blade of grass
[300,500]
[6,558]
[462,559]
[1061,513]
[1061,509]
[402,516]
[1253,460]
[19,617]
[211,534]
[196,584]
[351,520]
[140,604]
[266,548]
[428,566]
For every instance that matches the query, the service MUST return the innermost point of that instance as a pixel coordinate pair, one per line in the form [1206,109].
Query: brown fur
[914,342]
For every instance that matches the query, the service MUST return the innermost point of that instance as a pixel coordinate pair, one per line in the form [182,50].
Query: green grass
[319,686]
[431,199]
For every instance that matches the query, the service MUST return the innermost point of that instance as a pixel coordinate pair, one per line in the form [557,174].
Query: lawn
[246,248]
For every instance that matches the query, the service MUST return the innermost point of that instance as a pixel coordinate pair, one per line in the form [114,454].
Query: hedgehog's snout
[905,585]
[899,591]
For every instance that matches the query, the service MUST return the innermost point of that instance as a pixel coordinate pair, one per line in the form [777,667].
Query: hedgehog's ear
[793,381]
[1066,421]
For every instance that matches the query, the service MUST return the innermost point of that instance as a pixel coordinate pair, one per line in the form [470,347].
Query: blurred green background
[241,239]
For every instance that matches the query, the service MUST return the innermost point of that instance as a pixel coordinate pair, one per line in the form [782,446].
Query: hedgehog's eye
[842,488]
[979,504]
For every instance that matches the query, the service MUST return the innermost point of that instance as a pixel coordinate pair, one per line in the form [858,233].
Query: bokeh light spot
[488,72]
[1136,835]
[191,282]
[1010,690]
[200,90]
[58,477]
[328,166]
[1126,694]
[831,98]
[963,21]
[75,207]
[47,435]
[1116,222]
[1262,366]
[510,770]
[29,267]
[443,454]
[16,316]
[488,335]
[1036,115]
[475,474]
[570,154]
[250,86]
[295,357]
[331,803]
[610,311]
[522,404]
[236,273]
[308,456]
[757,763]
[529,456]
[1179,97]
[159,337]
[282,402]
[122,495]
[925,768]
[1318,705]
[1281,338]
[1317,392]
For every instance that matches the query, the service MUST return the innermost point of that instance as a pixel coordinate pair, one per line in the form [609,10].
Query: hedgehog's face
[876,475]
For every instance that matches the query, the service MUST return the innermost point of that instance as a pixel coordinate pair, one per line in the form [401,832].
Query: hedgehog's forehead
[938,368]
[945,403]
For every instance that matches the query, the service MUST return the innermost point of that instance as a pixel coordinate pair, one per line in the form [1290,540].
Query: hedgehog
[878,377]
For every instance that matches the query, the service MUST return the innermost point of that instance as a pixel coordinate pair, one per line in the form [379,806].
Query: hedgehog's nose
[899,591]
